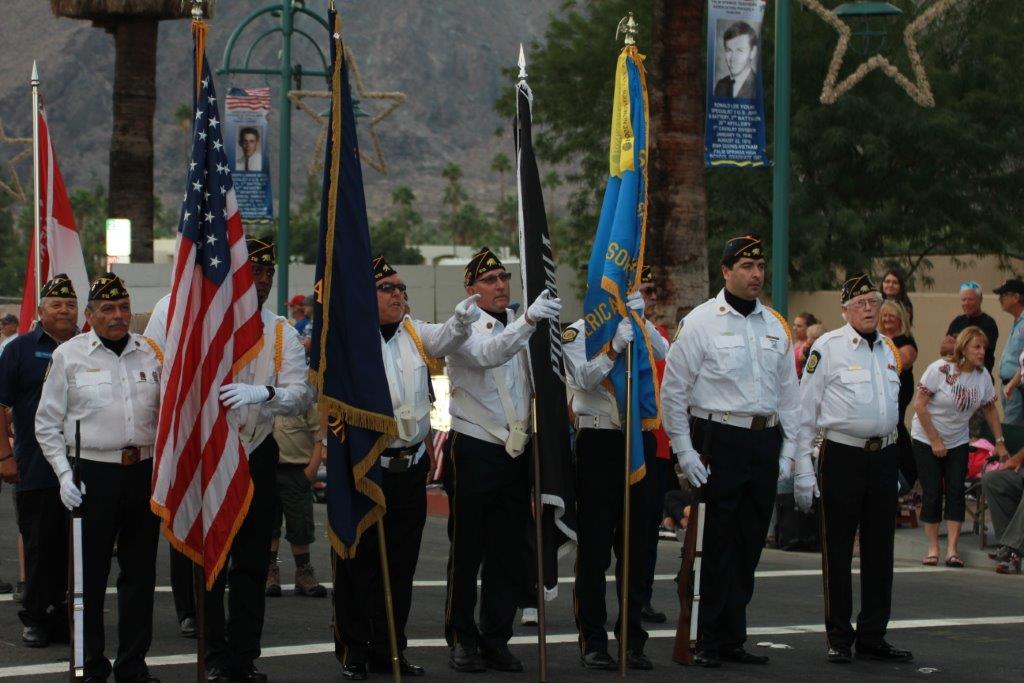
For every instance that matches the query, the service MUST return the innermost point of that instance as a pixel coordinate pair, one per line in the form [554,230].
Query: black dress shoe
[884,652]
[188,627]
[741,656]
[248,674]
[35,636]
[839,654]
[383,666]
[600,661]
[218,674]
[649,614]
[638,660]
[355,672]
[501,659]
[466,660]
[706,659]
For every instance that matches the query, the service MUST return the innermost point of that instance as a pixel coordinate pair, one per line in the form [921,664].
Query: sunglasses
[389,287]
[493,279]
[970,284]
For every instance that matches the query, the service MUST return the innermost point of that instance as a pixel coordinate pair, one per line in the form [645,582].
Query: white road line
[559,638]
[567,580]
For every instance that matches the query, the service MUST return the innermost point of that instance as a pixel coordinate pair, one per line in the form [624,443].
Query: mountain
[446,56]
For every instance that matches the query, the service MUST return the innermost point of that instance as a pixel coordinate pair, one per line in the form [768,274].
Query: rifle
[76,601]
[689,583]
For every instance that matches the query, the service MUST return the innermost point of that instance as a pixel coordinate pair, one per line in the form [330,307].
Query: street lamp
[870,38]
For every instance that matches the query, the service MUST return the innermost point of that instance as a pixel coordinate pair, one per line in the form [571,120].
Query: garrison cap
[107,287]
[482,262]
[58,287]
[857,285]
[381,268]
[261,250]
[744,246]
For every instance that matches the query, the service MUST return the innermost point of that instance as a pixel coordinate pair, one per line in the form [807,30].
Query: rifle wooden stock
[689,584]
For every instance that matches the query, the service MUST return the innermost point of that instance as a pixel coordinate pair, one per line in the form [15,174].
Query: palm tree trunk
[131,141]
[677,215]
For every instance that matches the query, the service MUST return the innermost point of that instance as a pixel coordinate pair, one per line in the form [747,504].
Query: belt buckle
[129,456]
[399,463]
[873,444]
[759,423]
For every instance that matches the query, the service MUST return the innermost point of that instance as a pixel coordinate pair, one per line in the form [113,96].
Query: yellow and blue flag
[346,363]
[617,257]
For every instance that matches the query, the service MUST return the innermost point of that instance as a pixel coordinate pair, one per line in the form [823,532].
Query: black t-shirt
[907,376]
[22,371]
[987,325]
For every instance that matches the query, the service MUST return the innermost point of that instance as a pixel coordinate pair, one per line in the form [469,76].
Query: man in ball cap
[107,380]
[850,390]
[42,520]
[485,477]
[730,399]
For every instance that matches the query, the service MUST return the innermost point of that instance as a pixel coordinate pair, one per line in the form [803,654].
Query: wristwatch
[1000,439]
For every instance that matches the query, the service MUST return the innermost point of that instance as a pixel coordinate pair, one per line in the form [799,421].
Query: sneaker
[529,616]
[306,583]
[273,581]
[1010,566]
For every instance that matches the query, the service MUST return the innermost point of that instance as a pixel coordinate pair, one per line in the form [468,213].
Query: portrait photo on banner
[737,58]
[247,139]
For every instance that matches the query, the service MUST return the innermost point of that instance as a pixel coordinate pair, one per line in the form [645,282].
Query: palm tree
[501,165]
[454,195]
[134,26]
[677,214]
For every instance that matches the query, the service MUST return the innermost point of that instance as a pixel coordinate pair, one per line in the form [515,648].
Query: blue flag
[617,257]
[346,364]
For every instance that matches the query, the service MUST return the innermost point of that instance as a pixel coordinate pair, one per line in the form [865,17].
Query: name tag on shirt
[44,354]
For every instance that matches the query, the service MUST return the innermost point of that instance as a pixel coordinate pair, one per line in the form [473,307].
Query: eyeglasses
[866,304]
[493,279]
[389,287]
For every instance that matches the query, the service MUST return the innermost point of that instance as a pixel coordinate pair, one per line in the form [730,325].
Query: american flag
[201,483]
[254,99]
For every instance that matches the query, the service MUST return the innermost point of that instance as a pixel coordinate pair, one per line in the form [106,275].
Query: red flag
[61,247]
[201,482]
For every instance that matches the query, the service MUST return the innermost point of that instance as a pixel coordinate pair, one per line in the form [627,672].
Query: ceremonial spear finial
[628,28]
[522,63]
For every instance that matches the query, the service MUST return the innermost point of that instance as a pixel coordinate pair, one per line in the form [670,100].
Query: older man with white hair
[970,302]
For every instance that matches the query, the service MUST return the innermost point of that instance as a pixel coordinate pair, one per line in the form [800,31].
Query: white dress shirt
[722,361]
[408,376]
[587,393]
[849,386]
[491,352]
[115,398]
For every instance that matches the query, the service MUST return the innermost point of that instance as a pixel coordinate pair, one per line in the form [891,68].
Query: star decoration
[394,100]
[12,186]
[919,89]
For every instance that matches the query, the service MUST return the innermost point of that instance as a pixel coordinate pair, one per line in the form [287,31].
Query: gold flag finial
[628,28]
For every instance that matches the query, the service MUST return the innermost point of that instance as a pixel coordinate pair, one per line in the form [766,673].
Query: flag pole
[396,668]
[38,284]
[624,589]
[538,515]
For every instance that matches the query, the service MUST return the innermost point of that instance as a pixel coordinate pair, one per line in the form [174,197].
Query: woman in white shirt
[949,393]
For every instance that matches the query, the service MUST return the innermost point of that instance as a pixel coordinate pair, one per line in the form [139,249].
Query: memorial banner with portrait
[248,150]
[734,134]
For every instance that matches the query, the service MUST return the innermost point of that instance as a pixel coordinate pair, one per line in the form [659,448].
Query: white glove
[467,312]
[805,485]
[636,302]
[544,307]
[785,468]
[70,495]
[693,468]
[237,395]
[623,335]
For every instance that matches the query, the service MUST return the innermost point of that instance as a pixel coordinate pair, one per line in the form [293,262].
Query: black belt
[399,459]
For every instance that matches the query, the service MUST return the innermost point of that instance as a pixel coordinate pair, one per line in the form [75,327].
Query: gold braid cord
[919,89]
[13,186]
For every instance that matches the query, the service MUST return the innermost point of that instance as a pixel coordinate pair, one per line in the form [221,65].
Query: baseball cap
[297,300]
[1012,286]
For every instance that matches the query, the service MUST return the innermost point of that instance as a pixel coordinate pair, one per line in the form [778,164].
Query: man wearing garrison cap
[850,391]
[408,348]
[42,520]
[485,473]
[731,409]
[107,380]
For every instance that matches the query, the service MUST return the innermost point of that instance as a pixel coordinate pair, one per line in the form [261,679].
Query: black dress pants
[489,502]
[43,523]
[234,643]
[183,585]
[739,498]
[658,472]
[360,616]
[115,507]
[858,490]
[600,471]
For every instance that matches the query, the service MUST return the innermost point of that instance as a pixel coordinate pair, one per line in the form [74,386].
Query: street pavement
[960,624]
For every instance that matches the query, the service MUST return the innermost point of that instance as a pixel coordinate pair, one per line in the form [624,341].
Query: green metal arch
[226,67]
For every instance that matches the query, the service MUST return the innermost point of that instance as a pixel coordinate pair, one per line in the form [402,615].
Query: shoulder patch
[783,322]
[895,354]
[570,334]
[812,362]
